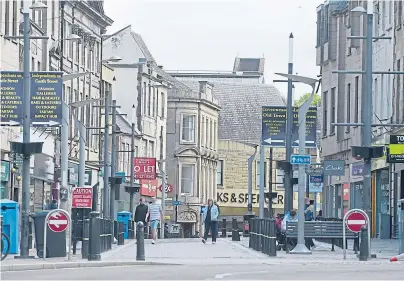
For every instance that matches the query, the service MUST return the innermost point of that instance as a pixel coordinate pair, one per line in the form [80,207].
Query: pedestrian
[155,214]
[210,221]
[141,212]
[218,214]
[309,216]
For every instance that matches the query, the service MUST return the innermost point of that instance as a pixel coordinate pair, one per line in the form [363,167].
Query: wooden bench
[324,230]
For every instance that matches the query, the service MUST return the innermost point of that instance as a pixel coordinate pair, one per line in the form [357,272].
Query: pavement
[226,259]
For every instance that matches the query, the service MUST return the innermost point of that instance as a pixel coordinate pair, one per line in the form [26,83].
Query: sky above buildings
[209,34]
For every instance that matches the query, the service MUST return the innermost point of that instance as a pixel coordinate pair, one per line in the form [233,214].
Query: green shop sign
[5,171]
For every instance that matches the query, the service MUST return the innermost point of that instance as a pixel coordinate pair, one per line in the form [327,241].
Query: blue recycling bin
[125,217]
[10,211]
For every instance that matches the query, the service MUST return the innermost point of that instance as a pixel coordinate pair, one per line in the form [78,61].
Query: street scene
[202,140]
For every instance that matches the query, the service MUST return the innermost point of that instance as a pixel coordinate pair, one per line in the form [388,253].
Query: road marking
[356,221]
[223,275]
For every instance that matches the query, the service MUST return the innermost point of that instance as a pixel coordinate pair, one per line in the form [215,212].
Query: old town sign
[396,149]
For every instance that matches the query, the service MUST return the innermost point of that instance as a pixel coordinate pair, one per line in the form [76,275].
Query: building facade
[192,144]
[342,98]
[232,179]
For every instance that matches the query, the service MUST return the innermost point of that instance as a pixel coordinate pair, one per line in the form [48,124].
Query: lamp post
[303,109]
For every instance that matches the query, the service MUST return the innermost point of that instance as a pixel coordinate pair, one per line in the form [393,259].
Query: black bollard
[140,253]
[235,235]
[259,235]
[356,245]
[94,246]
[363,247]
[272,238]
[224,228]
[120,234]
[252,234]
[265,236]
[86,237]
[131,231]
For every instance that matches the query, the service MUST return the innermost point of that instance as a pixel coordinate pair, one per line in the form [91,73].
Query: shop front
[233,203]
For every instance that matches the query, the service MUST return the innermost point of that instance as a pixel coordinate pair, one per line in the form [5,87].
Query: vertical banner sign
[145,168]
[46,98]
[274,126]
[11,95]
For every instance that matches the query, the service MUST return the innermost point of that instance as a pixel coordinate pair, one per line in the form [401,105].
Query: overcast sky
[209,34]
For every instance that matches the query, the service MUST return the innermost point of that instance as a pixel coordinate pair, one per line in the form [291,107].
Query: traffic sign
[274,126]
[355,221]
[58,222]
[46,98]
[296,159]
[169,188]
[82,197]
[176,203]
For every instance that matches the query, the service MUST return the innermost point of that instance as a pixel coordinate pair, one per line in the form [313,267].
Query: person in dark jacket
[141,212]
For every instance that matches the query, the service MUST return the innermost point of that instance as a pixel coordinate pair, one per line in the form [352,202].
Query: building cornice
[195,100]
[100,19]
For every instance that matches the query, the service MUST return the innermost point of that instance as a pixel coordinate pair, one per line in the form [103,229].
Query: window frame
[219,174]
[193,138]
[193,167]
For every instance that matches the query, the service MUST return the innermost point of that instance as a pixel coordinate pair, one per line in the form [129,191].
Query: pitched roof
[178,89]
[240,117]
[139,41]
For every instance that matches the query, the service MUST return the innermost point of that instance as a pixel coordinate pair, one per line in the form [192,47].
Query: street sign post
[354,219]
[145,168]
[58,220]
[274,127]
[169,188]
[46,98]
[296,159]
[82,197]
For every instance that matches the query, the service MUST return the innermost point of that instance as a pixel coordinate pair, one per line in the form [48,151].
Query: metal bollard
[120,234]
[251,236]
[264,236]
[272,238]
[259,235]
[235,235]
[86,236]
[94,246]
[140,253]
[131,230]
[356,245]
[224,228]
[363,247]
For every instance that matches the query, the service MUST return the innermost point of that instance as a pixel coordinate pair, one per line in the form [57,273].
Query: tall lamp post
[303,109]
[27,148]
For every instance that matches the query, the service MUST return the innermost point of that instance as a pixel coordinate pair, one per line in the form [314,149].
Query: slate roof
[240,116]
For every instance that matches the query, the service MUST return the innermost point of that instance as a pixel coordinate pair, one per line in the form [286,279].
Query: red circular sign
[58,222]
[169,188]
[355,221]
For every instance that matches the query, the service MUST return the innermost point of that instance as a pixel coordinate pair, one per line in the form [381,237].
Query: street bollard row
[131,231]
[121,233]
[235,234]
[263,236]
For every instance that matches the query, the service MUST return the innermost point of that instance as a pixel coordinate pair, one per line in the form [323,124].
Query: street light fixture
[112,59]
[303,109]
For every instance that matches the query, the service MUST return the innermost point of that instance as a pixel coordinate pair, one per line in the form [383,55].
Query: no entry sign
[145,168]
[355,221]
[82,197]
[58,222]
[169,188]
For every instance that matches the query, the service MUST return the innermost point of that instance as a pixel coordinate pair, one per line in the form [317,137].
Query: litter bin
[11,226]
[55,241]
[246,225]
[125,217]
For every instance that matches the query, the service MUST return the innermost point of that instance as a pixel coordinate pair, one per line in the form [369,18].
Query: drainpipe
[250,164]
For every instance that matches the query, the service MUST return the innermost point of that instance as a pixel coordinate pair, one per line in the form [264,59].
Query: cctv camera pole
[105,193]
[303,109]
[288,136]
[132,167]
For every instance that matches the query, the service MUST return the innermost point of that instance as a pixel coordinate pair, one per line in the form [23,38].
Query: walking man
[141,212]
[210,220]
[155,214]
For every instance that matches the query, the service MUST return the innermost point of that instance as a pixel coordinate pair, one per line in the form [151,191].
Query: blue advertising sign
[315,184]
[11,98]
[46,98]
[274,126]
[296,159]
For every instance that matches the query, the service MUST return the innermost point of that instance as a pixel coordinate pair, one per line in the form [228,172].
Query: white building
[140,92]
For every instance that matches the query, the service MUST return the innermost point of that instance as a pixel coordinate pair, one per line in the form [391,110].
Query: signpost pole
[113,168]
[105,193]
[132,167]
[82,153]
[64,158]
[250,169]
[24,249]
[271,156]
[163,198]
[262,182]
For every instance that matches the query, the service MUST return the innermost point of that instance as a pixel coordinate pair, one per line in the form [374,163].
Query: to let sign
[82,197]
[145,168]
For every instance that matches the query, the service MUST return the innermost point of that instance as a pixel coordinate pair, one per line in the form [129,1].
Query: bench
[322,230]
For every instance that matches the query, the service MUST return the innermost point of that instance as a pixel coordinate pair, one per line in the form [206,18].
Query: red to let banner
[145,168]
[82,197]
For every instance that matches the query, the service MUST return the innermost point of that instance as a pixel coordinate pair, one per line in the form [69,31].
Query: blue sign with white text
[300,159]
[176,203]
[120,174]
[11,97]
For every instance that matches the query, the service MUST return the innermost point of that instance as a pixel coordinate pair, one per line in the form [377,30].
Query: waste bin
[11,226]
[246,224]
[55,241]
[125,217]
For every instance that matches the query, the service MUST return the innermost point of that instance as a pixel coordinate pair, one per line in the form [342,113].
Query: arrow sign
[273,141]
[48,123]
[300,159]
[307,142]
[58,222]
[9,123]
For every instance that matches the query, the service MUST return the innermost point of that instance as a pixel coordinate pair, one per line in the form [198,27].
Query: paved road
[219,272]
